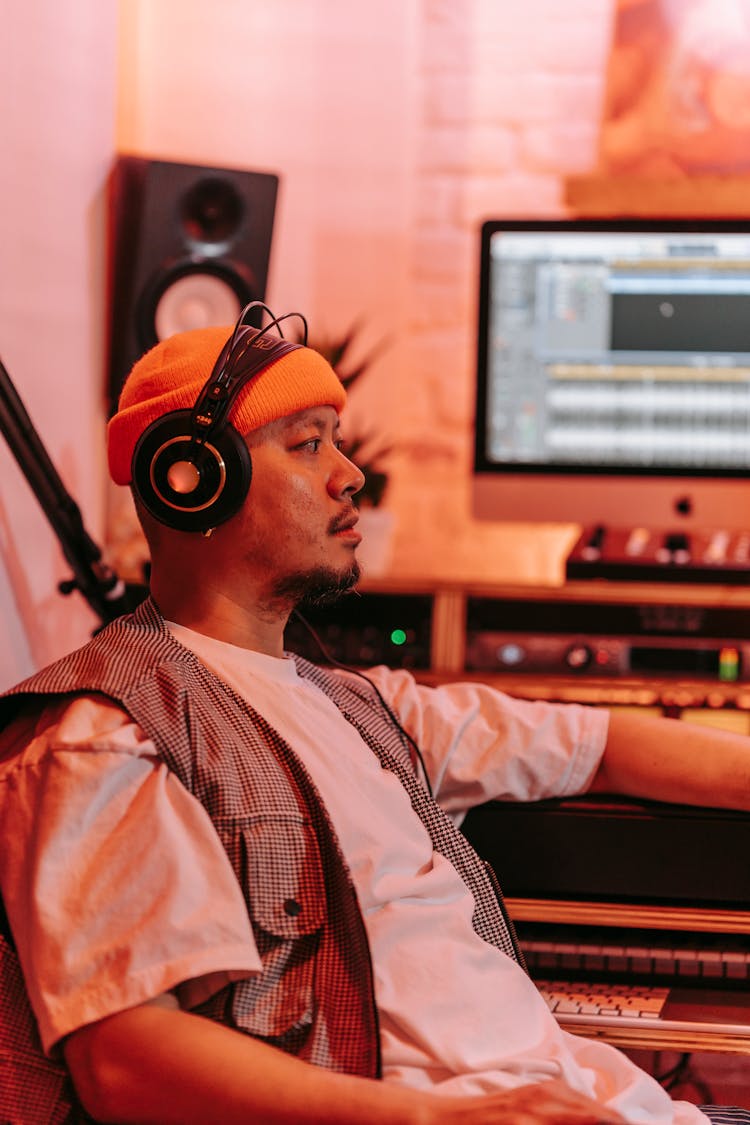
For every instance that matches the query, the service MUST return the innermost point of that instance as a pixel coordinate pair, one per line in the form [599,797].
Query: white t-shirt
[103,926]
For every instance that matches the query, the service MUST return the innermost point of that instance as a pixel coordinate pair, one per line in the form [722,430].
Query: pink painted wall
[395,128]
[56,136]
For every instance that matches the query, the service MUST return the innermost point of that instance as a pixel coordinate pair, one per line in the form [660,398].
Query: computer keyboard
[574,998]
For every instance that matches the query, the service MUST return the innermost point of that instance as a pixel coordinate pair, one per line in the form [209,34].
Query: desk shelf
[637,916]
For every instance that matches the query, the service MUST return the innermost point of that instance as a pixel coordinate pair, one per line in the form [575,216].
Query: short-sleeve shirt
[119,890]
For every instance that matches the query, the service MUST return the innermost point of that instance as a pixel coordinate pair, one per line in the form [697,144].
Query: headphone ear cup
[186,484]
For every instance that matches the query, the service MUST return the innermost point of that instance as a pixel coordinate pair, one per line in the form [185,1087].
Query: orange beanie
[172,374]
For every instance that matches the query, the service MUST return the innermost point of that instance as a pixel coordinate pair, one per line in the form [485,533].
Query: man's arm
[163,1066]
[671,760]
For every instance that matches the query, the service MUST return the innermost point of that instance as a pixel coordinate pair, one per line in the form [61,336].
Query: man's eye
[312,445]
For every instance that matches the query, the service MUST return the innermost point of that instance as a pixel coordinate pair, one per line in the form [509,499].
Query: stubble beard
[320,586]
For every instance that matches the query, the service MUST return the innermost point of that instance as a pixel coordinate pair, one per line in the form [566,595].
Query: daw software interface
[617,349]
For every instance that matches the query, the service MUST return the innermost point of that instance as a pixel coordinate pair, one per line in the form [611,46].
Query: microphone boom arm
[97,582]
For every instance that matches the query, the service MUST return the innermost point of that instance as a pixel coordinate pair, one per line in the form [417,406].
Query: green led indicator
[398,637]
[729,665]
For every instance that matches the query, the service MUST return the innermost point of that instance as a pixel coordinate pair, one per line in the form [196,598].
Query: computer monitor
[613,373]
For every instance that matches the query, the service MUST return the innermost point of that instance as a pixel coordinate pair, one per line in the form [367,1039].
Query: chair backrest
[34,1089]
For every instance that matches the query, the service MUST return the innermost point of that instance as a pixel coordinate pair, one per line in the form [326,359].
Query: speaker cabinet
[189,246]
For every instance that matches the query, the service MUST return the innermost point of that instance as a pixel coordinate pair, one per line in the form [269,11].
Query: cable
[682,1075]
[275,322]
[245,336]
[415,753]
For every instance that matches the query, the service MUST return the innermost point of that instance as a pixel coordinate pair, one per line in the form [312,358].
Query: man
[233,897]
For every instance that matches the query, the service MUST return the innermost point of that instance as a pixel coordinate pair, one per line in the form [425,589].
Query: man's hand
[544,1103]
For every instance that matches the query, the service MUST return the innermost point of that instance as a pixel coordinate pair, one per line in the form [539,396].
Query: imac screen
[613,373]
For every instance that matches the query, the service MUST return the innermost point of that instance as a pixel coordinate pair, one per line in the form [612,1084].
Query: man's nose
[347,478]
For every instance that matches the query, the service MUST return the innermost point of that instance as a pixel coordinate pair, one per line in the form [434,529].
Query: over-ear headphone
[191,468]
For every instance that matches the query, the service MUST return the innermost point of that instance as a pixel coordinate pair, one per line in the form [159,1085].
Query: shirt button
[292,907]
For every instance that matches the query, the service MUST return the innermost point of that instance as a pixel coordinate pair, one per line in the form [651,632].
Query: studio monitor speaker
[189,247]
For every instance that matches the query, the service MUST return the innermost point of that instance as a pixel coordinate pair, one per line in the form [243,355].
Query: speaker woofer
[196,293]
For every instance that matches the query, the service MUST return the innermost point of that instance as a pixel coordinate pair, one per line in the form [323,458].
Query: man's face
[295,532]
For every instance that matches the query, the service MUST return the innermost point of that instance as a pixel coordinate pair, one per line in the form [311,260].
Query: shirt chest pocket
[285,895]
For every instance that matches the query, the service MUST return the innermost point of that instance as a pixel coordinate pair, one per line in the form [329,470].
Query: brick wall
[510,105]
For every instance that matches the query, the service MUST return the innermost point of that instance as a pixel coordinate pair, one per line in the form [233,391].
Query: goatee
[318,587]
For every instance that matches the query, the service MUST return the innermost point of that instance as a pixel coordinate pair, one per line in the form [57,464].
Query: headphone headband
[232,371]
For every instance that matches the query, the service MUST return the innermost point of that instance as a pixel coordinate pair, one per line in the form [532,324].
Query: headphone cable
[414,752]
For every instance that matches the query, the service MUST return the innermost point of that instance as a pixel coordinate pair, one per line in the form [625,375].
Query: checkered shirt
[314,997]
